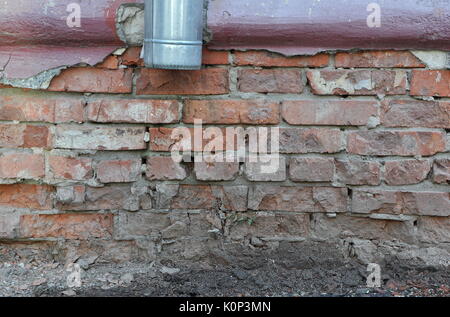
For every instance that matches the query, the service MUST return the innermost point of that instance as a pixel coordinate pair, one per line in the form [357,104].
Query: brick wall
[364,141]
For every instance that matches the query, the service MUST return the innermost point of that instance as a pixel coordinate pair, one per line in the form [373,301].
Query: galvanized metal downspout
[173,34]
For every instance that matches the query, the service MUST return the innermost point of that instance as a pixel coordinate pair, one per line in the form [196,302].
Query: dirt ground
[151,279]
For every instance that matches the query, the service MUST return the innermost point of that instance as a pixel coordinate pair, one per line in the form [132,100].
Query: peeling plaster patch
[434,59]
[119,51]
[40,81]
[130,23]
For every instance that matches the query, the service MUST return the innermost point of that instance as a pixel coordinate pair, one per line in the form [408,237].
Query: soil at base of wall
[283,272]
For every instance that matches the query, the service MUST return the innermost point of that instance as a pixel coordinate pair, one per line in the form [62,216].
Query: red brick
[441,171]
[328,112]
[69,226]
[90,79]
[211,57]
[402,143]
[46,109]
[134,111]
[131,57]
[24,136]
[311,169]
[82,198]
[358,82]
[21,165]
[378,59]
[164,168]
[314,140]
[232,112]
[216,171]
[415,113]
[268,59]
[110,62]
[357,172]
[26,196]
[72,168]
[100,138]
[161,140]
[406,172]
[205,197]
[119,171]
[430,83]
[270,80]
[298,199]
[208,81]
[401,202]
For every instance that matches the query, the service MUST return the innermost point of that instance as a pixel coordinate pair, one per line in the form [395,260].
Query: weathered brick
[232,112]
[269,226]
[24,136]
[268,59]
[164,168]
[357,172]
[9,223]
[433,230]
[329,112]
[69,226]
[208,81]
[415,113]
[37,108]
[134,111]
[311,169]
[300,199]
[270,80]
[165,225]
[72,168]
[266,169]
[131,57]
[314,140]
[358,82]
[441,171]
[100,138]
[211,57]
[406,172]
[161,139]
[119,171]
[378,59]
[90,79]
[113,197]
[216,171]
[26,196]
[402,143]
[430,83]
[207,197]
[110,62]
[401,202]
[342,226]
[21,165]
